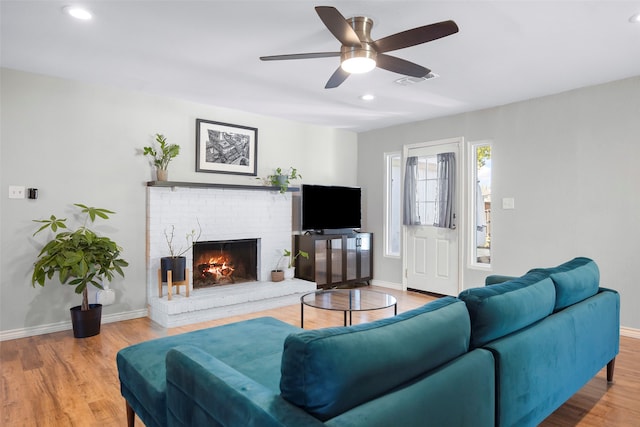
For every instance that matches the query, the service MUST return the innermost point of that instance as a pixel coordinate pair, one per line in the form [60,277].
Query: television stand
[335,259]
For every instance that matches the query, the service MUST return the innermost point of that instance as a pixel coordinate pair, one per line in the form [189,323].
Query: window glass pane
[394,194]
[482,203]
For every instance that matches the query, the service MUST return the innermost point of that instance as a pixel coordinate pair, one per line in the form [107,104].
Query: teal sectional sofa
[505,354]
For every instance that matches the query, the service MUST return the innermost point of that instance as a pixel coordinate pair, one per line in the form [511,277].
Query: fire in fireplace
[225,262]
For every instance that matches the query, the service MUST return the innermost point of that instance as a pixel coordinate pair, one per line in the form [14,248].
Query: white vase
[289,273]
[162,174]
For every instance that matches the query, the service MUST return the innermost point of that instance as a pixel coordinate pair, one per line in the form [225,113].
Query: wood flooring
[57,380]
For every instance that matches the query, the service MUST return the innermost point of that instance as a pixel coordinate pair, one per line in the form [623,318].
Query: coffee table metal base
[347,301]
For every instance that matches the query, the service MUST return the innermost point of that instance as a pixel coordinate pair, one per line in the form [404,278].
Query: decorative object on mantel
[173,269]
[282,179]
[80,258]
[290,271]
[163,156]
[226,148]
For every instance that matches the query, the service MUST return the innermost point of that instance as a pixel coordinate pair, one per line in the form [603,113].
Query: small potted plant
[162,156]
[290,271]
[79,258]
[277,274]
[282,179]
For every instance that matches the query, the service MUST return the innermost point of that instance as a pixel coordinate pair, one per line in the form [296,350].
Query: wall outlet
[105,296]
[16,192]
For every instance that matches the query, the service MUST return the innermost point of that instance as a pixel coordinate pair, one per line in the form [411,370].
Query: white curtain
[445,209]
[410,205]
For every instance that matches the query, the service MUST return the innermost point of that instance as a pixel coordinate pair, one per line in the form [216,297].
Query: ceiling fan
[360,54]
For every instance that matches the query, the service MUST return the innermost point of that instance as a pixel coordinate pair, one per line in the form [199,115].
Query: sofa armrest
[495,279]
[202,390]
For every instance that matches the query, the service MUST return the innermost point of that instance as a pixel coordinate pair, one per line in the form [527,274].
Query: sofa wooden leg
[131,416]
[610,366]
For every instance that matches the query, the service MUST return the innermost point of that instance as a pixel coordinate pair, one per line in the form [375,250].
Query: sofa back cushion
[329,371]
[575,280]
[501,309]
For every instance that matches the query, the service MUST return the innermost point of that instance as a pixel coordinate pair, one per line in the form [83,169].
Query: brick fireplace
[226,213]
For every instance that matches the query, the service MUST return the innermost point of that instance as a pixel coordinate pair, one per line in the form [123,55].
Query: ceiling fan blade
[338,25]
[300,56]
[336,78]
[415,36]
[400,66]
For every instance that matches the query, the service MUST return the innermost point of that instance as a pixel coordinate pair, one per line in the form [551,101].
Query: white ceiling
[207,52]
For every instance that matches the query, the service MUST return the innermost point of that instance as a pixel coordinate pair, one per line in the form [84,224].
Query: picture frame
[226,148]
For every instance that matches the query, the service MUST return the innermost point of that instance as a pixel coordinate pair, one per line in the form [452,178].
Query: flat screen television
[327,209]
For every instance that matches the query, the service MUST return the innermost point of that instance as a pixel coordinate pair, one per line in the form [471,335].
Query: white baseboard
[390,285]
[630,332]
[117,317]
[66,326]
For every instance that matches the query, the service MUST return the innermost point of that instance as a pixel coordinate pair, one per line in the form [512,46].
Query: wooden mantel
[172,184]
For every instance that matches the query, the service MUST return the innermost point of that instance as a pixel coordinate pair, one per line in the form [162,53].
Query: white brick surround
[223,214]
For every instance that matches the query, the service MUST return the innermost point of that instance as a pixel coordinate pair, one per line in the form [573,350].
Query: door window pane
[427,189]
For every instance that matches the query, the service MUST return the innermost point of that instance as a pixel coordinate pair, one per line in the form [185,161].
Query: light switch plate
[508,203]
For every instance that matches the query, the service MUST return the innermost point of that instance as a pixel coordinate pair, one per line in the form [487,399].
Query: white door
[431,253]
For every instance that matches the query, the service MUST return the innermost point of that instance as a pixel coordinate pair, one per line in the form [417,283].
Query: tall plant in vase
[79,258]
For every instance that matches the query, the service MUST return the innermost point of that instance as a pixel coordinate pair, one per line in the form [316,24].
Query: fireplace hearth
[225,262]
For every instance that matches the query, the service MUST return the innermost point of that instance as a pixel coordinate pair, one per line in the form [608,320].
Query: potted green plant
[176,262]
[282,179]
[162,156]
[79,258]
[290,271]
[277,274]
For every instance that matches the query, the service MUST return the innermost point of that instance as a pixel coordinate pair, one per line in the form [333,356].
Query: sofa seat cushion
[501,309]
[253,347]
[575,280]
[329,371]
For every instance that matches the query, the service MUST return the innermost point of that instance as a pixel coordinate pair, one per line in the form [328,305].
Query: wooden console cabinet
[335,259]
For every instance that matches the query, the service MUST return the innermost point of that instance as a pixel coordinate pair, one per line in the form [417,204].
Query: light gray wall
[571,161]
[80,143]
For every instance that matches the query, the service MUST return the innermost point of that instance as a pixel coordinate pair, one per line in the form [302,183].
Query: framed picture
[226,148]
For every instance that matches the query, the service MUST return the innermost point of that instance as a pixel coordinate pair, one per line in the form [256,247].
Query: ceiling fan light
[77,12]
[358,65]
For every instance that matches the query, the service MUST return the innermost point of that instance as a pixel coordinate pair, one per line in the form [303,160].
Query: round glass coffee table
[347,301]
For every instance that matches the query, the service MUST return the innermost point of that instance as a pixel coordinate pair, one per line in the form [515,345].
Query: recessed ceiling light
[635,19]
[77,12]
[367,97]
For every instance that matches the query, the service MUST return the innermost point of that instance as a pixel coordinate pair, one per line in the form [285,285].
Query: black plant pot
[86,323]
[177,265]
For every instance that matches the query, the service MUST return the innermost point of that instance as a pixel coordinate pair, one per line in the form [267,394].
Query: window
[393,221]
[481,204]
[427,189]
